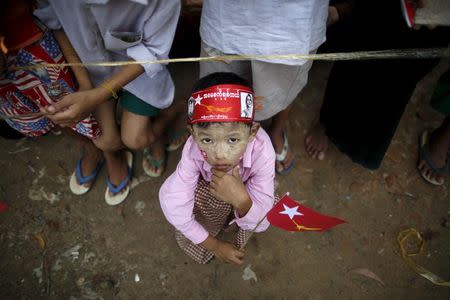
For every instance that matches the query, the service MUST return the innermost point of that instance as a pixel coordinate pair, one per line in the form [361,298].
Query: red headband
[221,103]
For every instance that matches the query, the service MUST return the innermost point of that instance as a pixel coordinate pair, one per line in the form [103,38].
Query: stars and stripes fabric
[290,215]
[23,91]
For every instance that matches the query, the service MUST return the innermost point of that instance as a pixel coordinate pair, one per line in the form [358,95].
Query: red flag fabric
[3,206]
[289,215]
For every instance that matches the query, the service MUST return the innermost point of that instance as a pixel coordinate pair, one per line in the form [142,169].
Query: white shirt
[118,30]
[264,27]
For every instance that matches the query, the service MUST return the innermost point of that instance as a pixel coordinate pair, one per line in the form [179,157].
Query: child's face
[223,144]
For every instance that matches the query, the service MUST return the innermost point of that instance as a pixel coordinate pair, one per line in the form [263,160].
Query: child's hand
[230,189]
[228,253]
[73,107]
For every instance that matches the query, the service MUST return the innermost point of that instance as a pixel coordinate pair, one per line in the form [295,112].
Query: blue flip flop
[77,180]
[121,191]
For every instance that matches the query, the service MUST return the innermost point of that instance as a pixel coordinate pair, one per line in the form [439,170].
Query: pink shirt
[257,170]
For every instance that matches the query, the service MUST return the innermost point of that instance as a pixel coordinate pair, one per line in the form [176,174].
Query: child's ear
[254,130]
[190,129]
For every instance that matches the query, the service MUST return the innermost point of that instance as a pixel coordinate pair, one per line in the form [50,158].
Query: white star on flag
[291,211]
[197,100]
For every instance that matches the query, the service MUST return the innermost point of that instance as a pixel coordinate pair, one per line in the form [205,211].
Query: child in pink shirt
[226,172]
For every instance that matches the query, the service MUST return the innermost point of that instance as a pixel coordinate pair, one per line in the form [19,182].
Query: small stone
[249,274]
[80,281]
[394,153]
[136,277]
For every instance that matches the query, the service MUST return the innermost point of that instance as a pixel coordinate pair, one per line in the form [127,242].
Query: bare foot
[316,142]
[437,150]
[278,142]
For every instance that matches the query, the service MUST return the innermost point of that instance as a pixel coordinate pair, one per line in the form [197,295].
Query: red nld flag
[289,215]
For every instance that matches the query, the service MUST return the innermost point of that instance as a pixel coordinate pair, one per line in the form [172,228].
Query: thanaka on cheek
[222,145]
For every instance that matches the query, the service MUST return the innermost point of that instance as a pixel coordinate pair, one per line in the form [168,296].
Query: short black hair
[218,78]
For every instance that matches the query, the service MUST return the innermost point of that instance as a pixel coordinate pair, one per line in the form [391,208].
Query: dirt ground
[55,245]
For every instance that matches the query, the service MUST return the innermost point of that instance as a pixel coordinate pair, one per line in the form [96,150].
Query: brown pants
[213,215]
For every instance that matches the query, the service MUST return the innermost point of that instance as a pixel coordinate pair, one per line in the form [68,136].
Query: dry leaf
[368,273]
[40,239]
[389,181]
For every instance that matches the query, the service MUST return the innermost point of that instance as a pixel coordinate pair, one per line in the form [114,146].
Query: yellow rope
[360,55]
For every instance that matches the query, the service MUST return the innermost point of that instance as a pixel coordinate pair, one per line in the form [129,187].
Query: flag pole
[257,224]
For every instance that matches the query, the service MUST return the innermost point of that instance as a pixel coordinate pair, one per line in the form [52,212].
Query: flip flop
[175,135]
[424,154]
[121,191]
[77,180]
[280,157]
[156,163]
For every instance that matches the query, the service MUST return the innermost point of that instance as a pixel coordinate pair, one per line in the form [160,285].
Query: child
[120,30]
[226,172]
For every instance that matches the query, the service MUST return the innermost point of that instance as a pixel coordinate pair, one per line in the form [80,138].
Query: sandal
[280,157]
[158,164]
[424,155]
[78,180]
[121,191]
[177,139]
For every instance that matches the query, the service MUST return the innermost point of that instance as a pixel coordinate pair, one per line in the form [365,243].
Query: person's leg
[143,127]
[438,147]
[275,132]
[110,143]
[90,158]
[316,141]
[277,86]
[139,133]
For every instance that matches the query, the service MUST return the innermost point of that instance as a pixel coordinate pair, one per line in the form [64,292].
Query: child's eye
[206,141]
[233,140]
